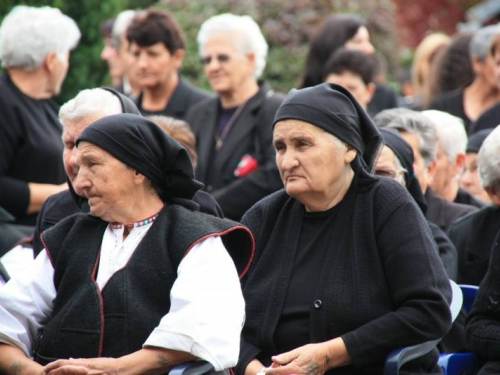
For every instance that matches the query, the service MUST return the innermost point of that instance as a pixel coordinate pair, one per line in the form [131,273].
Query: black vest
[89,323]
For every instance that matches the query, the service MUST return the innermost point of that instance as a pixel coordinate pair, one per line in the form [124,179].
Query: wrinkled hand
[311,359]
[90,366]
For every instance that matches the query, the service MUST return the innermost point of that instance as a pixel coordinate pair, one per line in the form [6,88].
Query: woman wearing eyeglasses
[234,135]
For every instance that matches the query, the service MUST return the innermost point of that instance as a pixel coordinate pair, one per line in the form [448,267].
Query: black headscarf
[476,140]
[144,146]
[333,109]
[128,106]
[404,153]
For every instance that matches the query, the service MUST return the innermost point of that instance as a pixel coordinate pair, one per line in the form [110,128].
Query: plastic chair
[456,363]
[398,357]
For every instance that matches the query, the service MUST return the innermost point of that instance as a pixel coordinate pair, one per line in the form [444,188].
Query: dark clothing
[184,97]
[60,206]
[483,328]
[473,236]
[489,119]
[384,98]
[464,197]
[380,287]
[251,134]
[444,213]
[11,234]
[30,148]
[292,329]
[87,322]
[452,102]
[446,250]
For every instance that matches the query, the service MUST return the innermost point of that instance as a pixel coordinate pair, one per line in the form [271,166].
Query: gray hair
[29,34]
[451,130]
[406,120]
[480,45]
[122,22]
[489,161]
[90,102]
[246,33]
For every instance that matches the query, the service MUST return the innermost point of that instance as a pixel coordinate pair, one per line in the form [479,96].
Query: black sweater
[30,148]
[381,287]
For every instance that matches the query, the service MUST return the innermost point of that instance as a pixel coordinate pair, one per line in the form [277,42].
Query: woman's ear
[50,61]
[350,154]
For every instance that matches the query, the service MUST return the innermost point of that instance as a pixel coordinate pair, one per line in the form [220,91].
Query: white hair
[482,40]
[451,130]
[246,34]
[90,102]
[29,34]
[489,160]
[120,26]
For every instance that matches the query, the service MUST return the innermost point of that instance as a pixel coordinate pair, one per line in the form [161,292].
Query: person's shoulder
[268,206]
[385,190]
[447,98]
[196,94]
[466,221]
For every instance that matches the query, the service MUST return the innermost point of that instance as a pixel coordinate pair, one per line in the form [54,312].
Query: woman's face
[311,161]
[361,41]
[470,181]
[225,66]
[154,65]
[107,183]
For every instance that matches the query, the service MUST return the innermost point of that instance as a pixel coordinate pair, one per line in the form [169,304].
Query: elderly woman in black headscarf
[345,269]
[143,282]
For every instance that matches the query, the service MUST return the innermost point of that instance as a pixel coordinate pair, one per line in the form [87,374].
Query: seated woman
[345,268]
[143,282]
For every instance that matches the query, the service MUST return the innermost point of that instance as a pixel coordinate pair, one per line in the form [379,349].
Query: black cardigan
[383,286]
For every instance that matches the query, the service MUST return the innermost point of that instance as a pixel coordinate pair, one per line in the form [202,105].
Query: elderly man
[450,159]
[236,156]
[87,291]
[474,234]
[420,133]
[157,45]
[484,92]
[34,49]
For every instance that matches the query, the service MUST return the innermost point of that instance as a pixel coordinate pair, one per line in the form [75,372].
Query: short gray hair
[480,45]
[29,34]
[406,120]
[120,26]
[246,33]
[489,161]
[451,130]
[90,102]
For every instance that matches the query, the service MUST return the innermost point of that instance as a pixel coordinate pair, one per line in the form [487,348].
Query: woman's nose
[82,183]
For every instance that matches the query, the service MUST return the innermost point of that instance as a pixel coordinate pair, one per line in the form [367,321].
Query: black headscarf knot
[145,147]
[333,109]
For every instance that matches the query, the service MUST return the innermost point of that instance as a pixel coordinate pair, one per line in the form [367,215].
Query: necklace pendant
[218,144]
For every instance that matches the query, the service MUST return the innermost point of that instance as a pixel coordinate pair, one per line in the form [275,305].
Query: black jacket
[473,236]
[184,97]
[381,288]
[442,212]
[251,134]
[483,321]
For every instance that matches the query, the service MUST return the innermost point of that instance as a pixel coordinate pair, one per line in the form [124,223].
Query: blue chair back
[469,292]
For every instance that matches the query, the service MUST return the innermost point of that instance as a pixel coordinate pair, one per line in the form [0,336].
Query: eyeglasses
[221,58]
[388,173]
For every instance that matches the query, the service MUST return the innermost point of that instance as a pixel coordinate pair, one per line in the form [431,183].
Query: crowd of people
[153,223]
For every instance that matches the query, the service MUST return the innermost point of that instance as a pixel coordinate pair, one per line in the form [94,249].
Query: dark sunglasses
[221,58]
